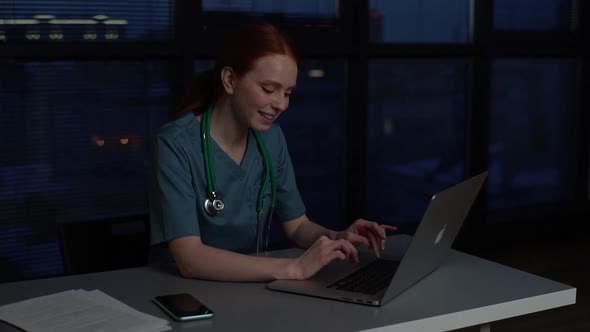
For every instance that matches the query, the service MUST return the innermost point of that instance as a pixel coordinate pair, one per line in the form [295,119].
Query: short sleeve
[289,205]
[172,195]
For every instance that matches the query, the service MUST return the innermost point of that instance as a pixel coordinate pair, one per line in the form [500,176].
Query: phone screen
[183,307]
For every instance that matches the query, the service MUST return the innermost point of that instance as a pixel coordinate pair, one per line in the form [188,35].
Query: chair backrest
[106,244]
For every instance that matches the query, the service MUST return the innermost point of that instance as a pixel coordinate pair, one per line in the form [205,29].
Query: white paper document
[79,310]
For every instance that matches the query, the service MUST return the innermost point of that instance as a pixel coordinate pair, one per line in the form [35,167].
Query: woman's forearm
[197,260]
[305,232]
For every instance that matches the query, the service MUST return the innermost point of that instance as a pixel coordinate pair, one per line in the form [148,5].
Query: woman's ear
[228,79]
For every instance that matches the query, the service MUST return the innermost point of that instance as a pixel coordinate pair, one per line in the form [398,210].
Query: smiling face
[262,94]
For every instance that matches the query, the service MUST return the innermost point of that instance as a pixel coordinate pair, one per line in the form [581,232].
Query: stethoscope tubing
[213,195]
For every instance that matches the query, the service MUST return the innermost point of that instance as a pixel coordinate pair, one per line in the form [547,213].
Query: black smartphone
[183,307]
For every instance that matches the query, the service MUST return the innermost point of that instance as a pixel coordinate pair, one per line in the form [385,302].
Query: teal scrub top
[179,188]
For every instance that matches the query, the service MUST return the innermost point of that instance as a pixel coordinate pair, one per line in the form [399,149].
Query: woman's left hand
[367,233]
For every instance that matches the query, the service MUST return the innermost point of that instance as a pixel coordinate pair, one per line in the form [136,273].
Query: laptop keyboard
[370,279]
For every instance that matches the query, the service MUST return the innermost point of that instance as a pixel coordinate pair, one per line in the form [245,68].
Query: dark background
[396,100]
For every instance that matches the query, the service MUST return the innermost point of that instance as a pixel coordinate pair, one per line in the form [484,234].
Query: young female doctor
[222,171]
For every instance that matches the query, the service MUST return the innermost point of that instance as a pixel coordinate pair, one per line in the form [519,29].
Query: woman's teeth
[267,116]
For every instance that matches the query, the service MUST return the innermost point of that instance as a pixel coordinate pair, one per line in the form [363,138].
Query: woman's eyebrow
[275,83]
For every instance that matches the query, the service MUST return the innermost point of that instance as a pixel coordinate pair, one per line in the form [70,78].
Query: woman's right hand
[322,252]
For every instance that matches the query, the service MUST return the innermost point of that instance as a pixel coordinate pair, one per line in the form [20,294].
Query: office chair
[103,245]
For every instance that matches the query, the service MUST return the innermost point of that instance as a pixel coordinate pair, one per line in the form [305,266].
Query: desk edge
[487,314]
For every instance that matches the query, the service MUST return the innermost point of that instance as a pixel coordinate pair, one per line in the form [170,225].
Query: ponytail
[201,91]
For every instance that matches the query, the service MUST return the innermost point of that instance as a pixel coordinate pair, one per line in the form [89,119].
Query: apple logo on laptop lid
[440,234]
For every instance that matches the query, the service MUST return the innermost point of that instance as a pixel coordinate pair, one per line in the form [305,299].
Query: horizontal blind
[300,8]
[85,20]
[75,142]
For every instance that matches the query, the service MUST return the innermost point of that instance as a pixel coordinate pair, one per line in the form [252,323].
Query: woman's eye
[267,90]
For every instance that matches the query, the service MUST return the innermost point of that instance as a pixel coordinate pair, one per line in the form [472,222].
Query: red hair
[250,43]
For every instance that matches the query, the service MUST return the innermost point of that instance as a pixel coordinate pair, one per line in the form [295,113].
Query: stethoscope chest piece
[214,205]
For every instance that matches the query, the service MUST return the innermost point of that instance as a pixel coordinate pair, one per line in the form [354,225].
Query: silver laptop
[377,281]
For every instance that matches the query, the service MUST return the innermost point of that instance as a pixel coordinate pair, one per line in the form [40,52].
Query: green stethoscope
[214,204]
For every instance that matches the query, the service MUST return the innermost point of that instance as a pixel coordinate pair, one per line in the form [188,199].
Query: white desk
[465,291]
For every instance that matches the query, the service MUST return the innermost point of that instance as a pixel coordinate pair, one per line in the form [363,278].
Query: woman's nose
[280,103]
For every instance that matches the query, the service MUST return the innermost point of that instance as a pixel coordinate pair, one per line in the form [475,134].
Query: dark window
[85,20]
[299,8]
[532,144]
[313,127]
[419,21]
[416,134]
[75,142]
[534,15]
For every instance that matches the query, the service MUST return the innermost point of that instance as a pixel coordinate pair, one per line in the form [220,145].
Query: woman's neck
[227,130]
